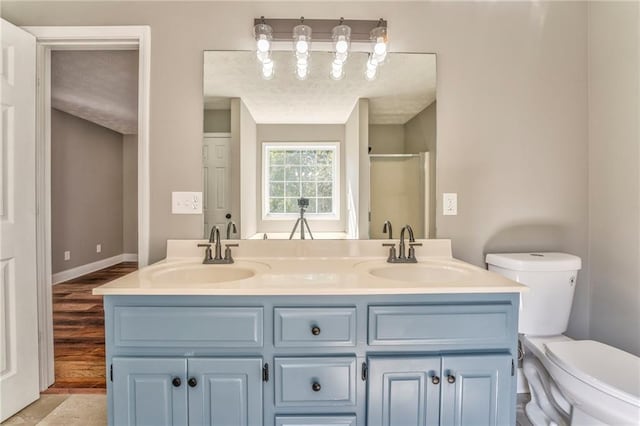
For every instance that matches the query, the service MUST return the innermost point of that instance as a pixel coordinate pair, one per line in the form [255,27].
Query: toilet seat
[608,369]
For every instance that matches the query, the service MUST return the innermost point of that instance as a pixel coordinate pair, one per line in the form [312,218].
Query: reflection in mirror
[357,152]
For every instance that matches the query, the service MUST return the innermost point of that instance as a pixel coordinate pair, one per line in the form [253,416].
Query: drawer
[187,326]
[305,381]
[316,420]
[486,325]
[309,327]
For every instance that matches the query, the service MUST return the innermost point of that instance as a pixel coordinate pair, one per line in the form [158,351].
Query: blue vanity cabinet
[193,391]
[328,360]
[450,390]
[403,391]
[149,391]
[476,390]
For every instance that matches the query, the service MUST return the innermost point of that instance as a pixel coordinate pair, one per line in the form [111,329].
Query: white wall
[512,108]
[614,177]
[352,170]
[247,157]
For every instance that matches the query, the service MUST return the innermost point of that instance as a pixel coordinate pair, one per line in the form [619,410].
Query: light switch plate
[186,202]
[450,204]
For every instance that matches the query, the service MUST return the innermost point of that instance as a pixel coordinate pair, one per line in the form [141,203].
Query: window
[292,171]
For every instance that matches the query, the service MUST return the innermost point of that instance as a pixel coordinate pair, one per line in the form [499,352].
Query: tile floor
[91,410]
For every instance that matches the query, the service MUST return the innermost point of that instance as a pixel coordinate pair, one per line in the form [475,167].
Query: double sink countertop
[340,267]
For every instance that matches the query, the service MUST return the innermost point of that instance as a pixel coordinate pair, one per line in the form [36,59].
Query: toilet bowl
[584,381]
[571,382]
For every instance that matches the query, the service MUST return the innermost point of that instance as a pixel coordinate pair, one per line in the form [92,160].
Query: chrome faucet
[231,227]
[209,257]
[387,229]
[402,257]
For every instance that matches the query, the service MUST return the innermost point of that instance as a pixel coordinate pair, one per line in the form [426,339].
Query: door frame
[81,38]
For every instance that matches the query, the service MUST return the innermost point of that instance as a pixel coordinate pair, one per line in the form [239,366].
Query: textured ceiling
[99,86]
[406,84]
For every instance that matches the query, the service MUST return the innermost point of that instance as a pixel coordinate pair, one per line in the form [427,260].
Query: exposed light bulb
[302,72]
[341,57]
[302,46]
[263,56]
[337,70]
[371,74]
[342,45]
[263,43]
[380,47]
[268,70]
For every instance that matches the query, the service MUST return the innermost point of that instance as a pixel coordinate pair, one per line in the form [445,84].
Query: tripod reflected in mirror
[303,203]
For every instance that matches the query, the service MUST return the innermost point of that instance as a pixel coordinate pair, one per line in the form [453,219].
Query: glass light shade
[341,37]
[380,41]
[371,71]
[302,38]
[337,70]
[263,56]
[268,70]
[302,72]
[263,34]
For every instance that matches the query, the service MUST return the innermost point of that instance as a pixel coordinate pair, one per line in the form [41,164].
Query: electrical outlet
[186,202]
[450,204]
[67,255]
[98,248]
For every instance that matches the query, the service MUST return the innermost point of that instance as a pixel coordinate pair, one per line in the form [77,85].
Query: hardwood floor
[78,331]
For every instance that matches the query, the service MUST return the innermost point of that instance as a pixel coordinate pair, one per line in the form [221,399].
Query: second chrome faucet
[214,239]
[402,257]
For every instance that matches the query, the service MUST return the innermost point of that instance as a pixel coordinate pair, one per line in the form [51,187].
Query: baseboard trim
[79,271]
[130,257]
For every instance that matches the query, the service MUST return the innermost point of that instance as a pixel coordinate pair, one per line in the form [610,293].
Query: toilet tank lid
[535,261]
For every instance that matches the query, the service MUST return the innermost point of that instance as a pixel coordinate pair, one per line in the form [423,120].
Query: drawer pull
[451,379]
[436,380]
[315,330]
[192,382]
[176,382]
[316,387]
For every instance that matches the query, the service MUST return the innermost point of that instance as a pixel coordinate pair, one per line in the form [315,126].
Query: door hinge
[111,372]
[513,368]
[365,372]
[265,373]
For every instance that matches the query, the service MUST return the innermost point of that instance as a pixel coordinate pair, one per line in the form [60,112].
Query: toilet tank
[551,278]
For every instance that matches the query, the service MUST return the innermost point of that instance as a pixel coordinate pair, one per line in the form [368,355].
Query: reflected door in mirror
[217,181]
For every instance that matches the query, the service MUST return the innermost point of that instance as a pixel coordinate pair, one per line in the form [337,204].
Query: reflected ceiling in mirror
[405,85]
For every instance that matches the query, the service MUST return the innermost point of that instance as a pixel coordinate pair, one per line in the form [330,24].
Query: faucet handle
[392,252]
[204,245]
[227,252]
[412,250]
[207,253]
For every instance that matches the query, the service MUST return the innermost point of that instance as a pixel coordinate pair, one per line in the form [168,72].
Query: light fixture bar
[360,29]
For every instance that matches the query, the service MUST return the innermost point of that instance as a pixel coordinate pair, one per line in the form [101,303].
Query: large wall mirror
[346,155]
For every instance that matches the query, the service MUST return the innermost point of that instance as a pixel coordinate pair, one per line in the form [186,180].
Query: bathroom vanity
[327,333]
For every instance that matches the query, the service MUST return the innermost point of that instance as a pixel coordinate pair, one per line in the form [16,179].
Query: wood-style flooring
[78,331]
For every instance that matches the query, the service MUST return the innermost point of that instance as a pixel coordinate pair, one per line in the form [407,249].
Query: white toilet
[576,382]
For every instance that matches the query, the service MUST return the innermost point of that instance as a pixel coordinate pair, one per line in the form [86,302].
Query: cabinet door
[149,391]
[402,391]
[476,390]
[225,391]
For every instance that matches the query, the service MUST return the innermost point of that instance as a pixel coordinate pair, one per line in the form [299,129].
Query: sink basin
[421,273]
[191,273]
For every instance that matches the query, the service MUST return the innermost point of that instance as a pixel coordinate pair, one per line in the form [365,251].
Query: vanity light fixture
[302,49]
[378,54]
[349,35]
[263,35]
[341,38]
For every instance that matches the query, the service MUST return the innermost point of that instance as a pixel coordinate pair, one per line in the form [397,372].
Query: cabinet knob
[436,380]
[316,387]
[176,382]
[451,379]
[192,382]
[315,330]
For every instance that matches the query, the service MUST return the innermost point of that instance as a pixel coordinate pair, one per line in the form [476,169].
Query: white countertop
[349,271]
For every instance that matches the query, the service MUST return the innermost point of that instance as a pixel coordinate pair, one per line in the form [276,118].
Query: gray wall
[614,186]
[86,187]
[420,134]
[130,194]
[386,138]
[512,108]
[217,120]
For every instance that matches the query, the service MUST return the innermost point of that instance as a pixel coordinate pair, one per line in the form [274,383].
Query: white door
[18,292]
[216,204]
